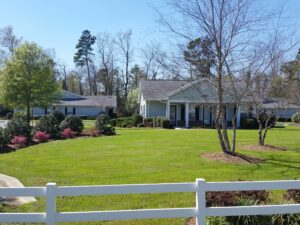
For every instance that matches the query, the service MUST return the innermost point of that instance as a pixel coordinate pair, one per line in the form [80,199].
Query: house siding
[156,109]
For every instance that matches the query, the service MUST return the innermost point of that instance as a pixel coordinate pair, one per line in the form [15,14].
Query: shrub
[148,122]
[41,136]
[101,121]
[286,219]
[113,122]
[165,123]
[9,116]
[141,125]
[217,220]
[120,121]
[68,133]
[18,126]
[296,118]
[72,122]
[58,115]
[108,130]
[232,198]
[4,139]
[263,117]
[292,195]
[249,123]
[19,140]
[124,125]
[136,119]
[220,199]
[48,124]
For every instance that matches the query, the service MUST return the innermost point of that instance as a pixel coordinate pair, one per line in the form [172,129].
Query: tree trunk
[233,144]
[28,113]
[220,124]
[261,140]
[89,77]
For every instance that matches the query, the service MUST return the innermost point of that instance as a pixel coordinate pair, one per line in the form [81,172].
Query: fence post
[200,202]
[50,203]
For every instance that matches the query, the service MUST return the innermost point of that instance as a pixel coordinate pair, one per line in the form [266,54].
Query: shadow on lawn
[287,163]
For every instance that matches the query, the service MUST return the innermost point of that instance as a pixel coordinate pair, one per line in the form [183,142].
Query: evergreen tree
[84,52]
[200,55]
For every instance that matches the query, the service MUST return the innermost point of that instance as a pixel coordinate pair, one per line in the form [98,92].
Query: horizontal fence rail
[200,211]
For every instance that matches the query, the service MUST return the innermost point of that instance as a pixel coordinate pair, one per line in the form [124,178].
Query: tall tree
[84,52]
[238,39]
[28,79]
[200,55]
[137,74]
[124,42]
[151,55]
[106,51]
[8,39]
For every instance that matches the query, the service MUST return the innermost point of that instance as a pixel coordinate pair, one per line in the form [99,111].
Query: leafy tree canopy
[28,79]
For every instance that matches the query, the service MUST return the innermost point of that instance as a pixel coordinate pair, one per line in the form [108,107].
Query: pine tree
[84,52]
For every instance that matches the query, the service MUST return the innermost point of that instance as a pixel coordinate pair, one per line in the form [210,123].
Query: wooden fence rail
[200,211]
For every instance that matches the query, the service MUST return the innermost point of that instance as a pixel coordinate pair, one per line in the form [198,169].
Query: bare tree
[106,51]
[124,42]
[237,31]
[150,55]
[8,39]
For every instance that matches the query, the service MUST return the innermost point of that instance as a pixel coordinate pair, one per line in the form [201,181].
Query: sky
[57,24]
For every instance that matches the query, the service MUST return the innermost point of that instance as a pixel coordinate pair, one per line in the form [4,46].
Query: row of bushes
[252,123]
[246,198]
[137,120]
[54,126]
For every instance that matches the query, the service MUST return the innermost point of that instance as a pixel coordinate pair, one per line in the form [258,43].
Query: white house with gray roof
[73,104]
[186,103]
[193,103]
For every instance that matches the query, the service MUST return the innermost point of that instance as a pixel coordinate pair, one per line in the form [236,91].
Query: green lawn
[145,156]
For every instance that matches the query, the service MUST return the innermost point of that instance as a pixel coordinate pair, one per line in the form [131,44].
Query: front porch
[193,114]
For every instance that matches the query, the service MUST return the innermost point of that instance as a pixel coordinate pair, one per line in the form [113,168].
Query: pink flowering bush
[68,133]
[19,140]
[41,136]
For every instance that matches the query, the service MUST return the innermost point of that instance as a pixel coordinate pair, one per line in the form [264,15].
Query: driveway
[3,123]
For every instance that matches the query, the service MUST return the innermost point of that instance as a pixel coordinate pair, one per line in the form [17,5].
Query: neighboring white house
[73,104]
[188,104]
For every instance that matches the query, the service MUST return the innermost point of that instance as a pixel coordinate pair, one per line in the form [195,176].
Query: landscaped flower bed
[19,133]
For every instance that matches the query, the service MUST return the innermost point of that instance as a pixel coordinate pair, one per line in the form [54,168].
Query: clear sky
[58,24]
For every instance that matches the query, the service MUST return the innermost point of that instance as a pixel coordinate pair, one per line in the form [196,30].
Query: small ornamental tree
[28,79]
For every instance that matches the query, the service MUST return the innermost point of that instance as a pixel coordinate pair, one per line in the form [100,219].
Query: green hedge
[120,122]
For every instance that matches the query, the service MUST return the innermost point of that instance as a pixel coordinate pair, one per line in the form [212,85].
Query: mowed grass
[145,156]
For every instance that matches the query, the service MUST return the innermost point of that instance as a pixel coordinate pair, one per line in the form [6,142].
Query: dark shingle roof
[160,89]
[78,100]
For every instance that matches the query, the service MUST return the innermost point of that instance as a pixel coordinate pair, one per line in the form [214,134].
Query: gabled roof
[71,99]
[160,89]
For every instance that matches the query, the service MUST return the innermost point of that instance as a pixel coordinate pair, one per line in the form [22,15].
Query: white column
[186,114]
[238,117]
[168,109]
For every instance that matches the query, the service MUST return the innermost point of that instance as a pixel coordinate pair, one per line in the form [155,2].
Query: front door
[173,114]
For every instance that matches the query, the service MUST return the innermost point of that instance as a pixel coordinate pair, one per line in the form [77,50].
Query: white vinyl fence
[200,211]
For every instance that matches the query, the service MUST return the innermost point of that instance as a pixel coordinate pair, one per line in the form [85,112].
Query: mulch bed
[237,158]
[263,148]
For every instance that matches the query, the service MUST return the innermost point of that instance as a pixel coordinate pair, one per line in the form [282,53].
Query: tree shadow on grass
[283,163]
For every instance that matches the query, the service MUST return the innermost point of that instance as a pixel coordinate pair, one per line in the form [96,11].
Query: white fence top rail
[200,211]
